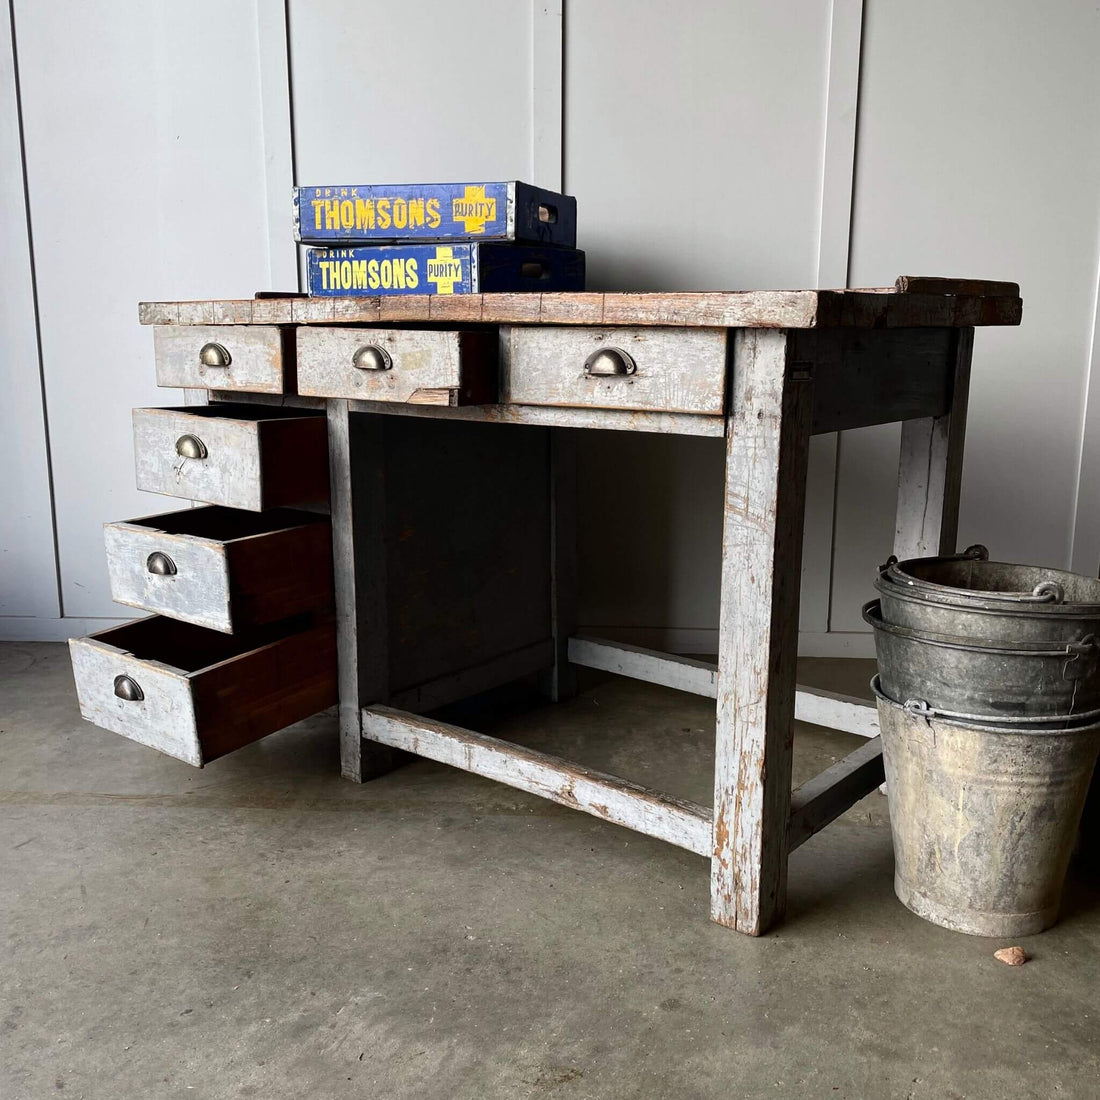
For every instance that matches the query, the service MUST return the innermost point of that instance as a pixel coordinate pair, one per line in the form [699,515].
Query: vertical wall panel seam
[293,137]
[847,280]
[564,93]
[260,24]
[547,93]
[838,159]
[277,125]
[855,144]
[288,21]
[837,204]
[1084,533]
[34,303]
[290,93]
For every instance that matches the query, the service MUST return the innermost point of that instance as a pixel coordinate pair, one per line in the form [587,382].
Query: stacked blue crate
[441,238]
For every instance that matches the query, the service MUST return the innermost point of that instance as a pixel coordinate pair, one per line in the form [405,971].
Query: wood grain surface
[885,308]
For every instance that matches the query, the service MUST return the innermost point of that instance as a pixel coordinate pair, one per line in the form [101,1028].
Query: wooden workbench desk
[455,539]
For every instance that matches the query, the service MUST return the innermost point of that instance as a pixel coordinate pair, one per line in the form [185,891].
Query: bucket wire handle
[1046,592]
[1085,649]
[919,709]
[976,552]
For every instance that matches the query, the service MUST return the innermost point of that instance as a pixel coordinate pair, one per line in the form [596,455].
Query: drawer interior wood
[226,524]
[240,410]
[182,646]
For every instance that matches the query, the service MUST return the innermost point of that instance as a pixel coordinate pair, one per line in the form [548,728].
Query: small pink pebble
[1012,956]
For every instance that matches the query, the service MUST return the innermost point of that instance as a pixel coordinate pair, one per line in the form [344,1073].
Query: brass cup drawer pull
[609,363]
[214,355]
[126,687]
[372,357]
[161,565]
[190,446]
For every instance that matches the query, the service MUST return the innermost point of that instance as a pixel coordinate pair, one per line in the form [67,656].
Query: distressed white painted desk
[451,423]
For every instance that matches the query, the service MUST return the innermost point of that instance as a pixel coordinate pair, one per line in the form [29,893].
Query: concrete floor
[264,929]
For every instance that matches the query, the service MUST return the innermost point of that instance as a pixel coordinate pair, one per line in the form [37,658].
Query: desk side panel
[876,376]
[467,545]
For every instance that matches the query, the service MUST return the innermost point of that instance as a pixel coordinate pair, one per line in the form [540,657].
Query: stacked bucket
[988,692]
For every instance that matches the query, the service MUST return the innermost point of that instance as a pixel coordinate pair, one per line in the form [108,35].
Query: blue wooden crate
[434,211]
[442,269]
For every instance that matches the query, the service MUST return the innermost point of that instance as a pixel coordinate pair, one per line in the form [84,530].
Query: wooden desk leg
[357,483]
[767,444]
[560,682]
[930,471]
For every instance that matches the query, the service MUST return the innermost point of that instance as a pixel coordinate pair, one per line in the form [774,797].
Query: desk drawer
[253,358]
[413,366]
[220,567]
[649,369]
[242,456]
[197,695]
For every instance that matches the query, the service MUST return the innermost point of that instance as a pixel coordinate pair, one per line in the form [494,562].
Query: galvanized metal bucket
[983,818]
[995,602]
[1029,683]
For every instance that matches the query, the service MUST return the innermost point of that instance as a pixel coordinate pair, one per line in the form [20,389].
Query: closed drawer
[242,456]
[650,369]
[253,358]
[222,568]
[413,366]
[195,694]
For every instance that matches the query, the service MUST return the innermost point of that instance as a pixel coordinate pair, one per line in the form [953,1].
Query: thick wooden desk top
[911,302]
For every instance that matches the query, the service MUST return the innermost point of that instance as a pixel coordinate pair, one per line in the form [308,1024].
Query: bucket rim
[1084,722]
[984,604]
[872,615]
[899,575]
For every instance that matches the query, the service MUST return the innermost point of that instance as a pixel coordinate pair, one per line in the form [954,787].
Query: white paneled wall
[979,152]
[145,178]
[711,146]
[413,91]
[693,140]
[694,145]
[28,570]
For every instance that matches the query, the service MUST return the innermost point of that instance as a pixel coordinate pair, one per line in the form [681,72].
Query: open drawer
[196,694]
[221,567]
[409,366]
[239,455]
